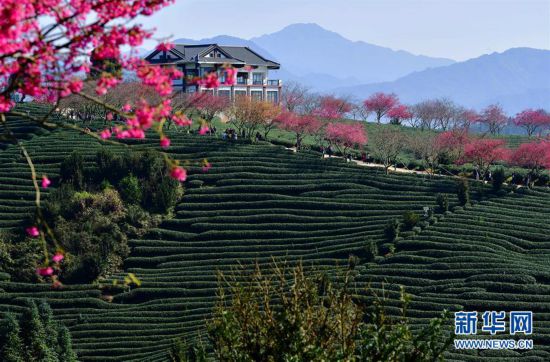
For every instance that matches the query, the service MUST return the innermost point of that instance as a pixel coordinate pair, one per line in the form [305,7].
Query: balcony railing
[273,82]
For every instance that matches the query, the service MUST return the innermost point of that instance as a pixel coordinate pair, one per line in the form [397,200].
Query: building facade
[252,78]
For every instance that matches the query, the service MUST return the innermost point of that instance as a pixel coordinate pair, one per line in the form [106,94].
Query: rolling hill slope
[260,201]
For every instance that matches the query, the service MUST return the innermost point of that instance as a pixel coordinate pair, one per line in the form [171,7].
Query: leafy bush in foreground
[286,314]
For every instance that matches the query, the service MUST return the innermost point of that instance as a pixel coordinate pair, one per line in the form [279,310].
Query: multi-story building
[198,60]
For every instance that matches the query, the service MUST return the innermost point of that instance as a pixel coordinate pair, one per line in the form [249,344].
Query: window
[242,78]
[240,93]
[224,93]
[273,97]
[256,95]
[257,78]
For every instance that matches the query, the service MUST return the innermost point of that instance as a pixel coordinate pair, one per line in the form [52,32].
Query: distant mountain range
[324,60]
[517,78]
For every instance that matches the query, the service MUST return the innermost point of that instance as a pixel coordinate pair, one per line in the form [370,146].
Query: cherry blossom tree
[380,103]
[332,108]
[494,118]
[484,152]
[532,120]
[300,125]
[345,135]
[398,113]
[208,105]
[534,155]
[467,117]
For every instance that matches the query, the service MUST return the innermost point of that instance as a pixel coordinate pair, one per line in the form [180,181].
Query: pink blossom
[203,130]
[207,166]
[32,231]
[109,116]
[44,272]
[165,142]
[230,75]
[210,81]
[178,173]
[181,119]
[165,46]
[45,182]
[105,134]
[58,257]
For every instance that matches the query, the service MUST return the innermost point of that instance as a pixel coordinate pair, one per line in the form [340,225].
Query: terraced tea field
[261,201]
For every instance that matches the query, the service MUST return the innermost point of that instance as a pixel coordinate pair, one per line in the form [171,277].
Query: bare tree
[386,144]
[294,96]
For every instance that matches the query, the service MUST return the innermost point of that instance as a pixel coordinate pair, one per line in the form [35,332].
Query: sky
[456,29]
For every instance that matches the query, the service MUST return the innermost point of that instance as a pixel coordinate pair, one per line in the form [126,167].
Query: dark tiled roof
[234,54]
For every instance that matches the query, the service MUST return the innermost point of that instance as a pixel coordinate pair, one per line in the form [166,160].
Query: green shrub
[391,230]
[442,201]
[71,171]
[130,189]
[410,219]
[290,315]
[499,177]
[463,192]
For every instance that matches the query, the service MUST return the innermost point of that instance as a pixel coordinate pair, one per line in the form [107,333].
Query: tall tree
[345,135]
[12,350]
[386,145]
[494,118]
[399,113]
[331,107]
[34,336]
[380,103]
[534,155]
[532,120]
[300,125]
[484,152]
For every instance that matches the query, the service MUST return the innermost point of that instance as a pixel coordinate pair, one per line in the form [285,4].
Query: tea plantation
[262,201]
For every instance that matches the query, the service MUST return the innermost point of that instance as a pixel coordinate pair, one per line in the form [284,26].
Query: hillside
[260,201]
[517,79]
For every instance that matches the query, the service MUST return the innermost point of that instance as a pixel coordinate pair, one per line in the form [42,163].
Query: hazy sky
[457,29]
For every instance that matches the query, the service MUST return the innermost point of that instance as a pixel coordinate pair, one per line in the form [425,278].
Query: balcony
[273,82]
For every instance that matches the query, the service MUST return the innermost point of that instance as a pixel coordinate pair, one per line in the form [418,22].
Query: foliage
[381,104]
[19,256]
[532,120]
[71,171]
[130,190]
[494,118]
[35,336]
[483,153]
[499,176]
[90,228]
[442,201]
[300,125]
[391,230]
[410,219]
[289,314]
[344,135]
[249,115]
[463,192]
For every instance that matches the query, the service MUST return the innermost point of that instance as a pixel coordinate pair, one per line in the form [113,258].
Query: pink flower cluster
[45,45]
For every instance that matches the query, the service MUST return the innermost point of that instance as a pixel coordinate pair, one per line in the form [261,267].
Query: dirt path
[374,165]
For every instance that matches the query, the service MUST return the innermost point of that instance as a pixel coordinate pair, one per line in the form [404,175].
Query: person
[323,151]
[363,157]
[329,151]
[258,136]
[349,157]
